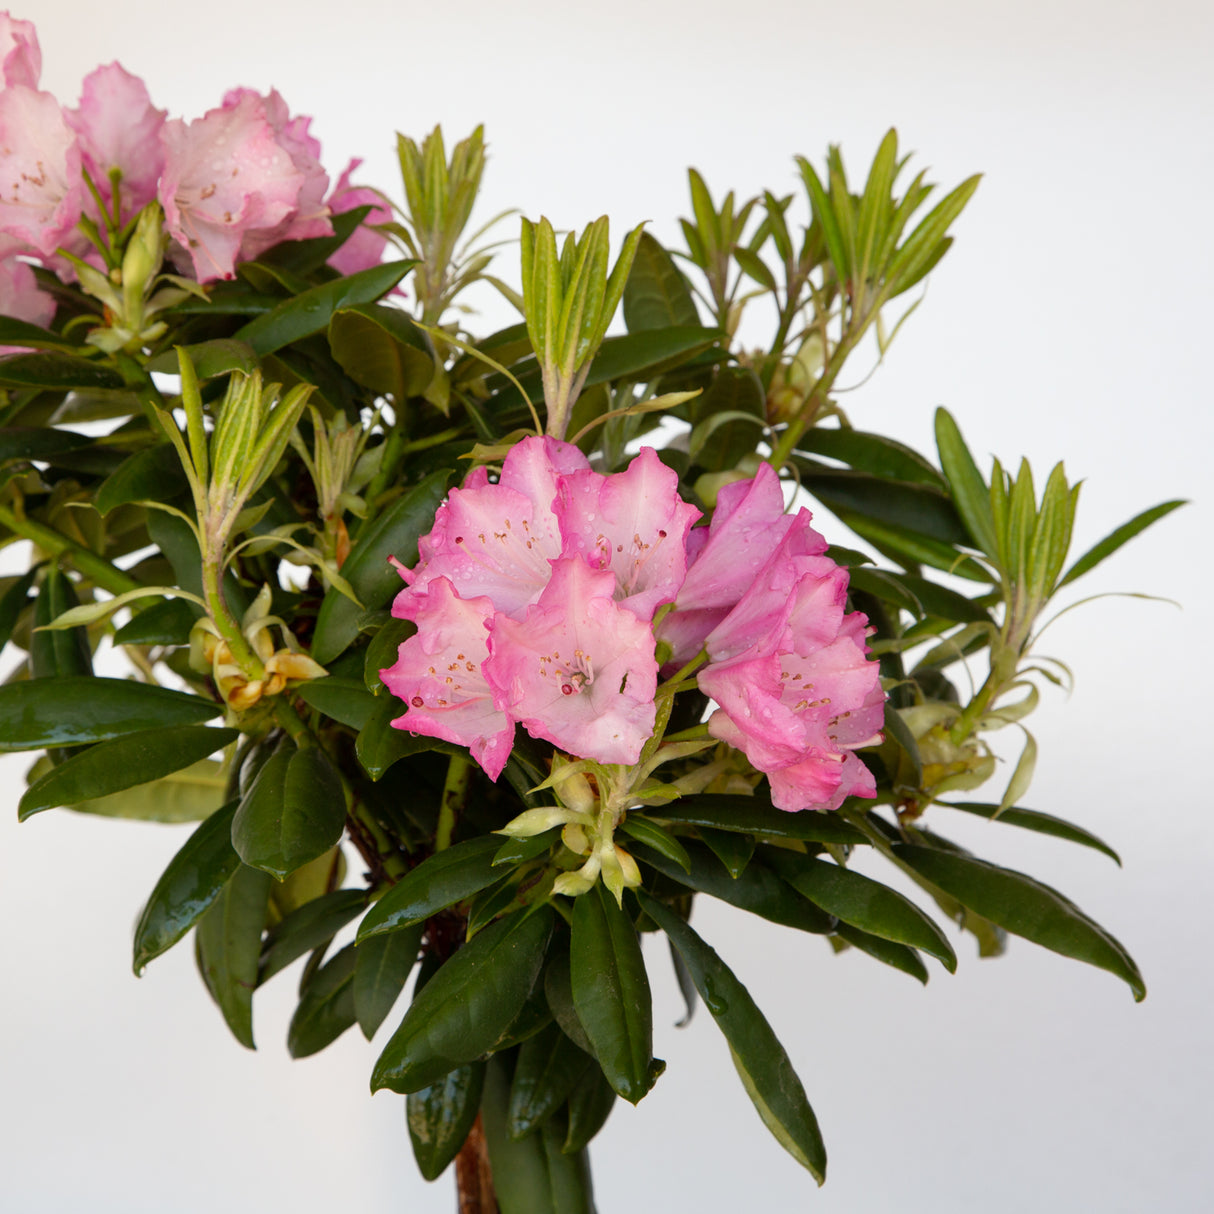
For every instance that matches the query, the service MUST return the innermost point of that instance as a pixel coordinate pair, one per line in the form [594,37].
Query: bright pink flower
[365,248]
[19,293]
[225,175]
[633,523]
[119,128]
[310,216]
[20,55]
[438,674]
[41,191]
[578,670]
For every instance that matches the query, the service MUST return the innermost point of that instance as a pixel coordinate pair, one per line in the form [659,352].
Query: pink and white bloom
[225,175]
[20,54]
[41,190]
[577,670]
[365,247]
[118,129]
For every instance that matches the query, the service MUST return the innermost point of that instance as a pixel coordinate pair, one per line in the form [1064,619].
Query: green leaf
[167,623]
[381,348]
[638,827]
[466,1007]
[970,492]
[38,443]
[345,700]
[294,811]
[326,1008]
[518,851]
[14,332]
[379,745]
[903,544]
[656,295]
[611,993]
[58,372]
[824,213]
[151,475]
[1115,539]
[57,654]
[549,1067]
[1023,906]
[762,1063]
[210,359]
[384,965]
[718,444]
[447,877]
[122,763]
[896,955]
[644,355]
[1032,819]
[311,311]
[864,903]
[187,887]
[228,943]
[732,848]
[590,1104]
[188,795]
[558,993]
[308,927]
[440,1116]
[393,533]
[757,816]
[14,602]
[73,710]
[383,651]
[872,453]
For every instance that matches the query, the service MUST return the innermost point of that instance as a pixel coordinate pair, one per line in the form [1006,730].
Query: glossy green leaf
[611,993]
[53,653]
[228,944]
[757,816]
[294,811]
[393,533]
[167,623]
[189,795]
[899,956]
[656,295]
[121,763]
[1114,540]
[590,1104]
[154,474]
[381,348]
[187,887]
[864,903]
[38,443]
[326,1008]
[514,852]
[310,312]
[440,1116]
[21,333]
[467,1006]
[71,711]
[58,372]
[558,993]
[345,700]
[1025,907]
[762,1062]
[637,826]
[308,927]
[380,744]
[872,453]
[648,353]
[447,877]
[756,889]
[1035,820]
[384,965]
[732,848]
[549,1067]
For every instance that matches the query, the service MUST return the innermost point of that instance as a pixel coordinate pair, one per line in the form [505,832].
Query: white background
[1070,321]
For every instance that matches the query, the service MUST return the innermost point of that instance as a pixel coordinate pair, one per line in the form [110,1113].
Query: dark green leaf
[152,475]
[38,442]
[447,877]
[940,601]
[656,295]
[306,256]
[549,1067]
[210,359]
[611,992]
[645,355]
[518,851]
[1032,819]
[14,602]
[732,848]
[903,544]
[467,1006]
[21,333]
[1115,539]
[864,903]
[326,1008]
[380,744]
[306,928]
[121,763]
[60,372]
[167,623]
[384,965]
[1025,907]
[896,955]
[311,311]
[558,993]
[718,444]
[70,711]
[384,651]
[294,811]
[898,729]
[228,944]
[757,816]
[638,827]
[193,880]
[762,1063]
[590,1104]
[62,652]
[345,700]
[382,349]
[394,533]
[440,1116]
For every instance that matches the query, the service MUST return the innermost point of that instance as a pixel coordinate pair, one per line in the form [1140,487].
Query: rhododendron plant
[507,645]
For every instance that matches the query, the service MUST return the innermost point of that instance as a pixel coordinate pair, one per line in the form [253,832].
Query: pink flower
[119,129]
[438,674]
[225,175]
[20,55]
[19,293]
[365,248]
[41,191]
[633,523]
[310,216]
[577,670]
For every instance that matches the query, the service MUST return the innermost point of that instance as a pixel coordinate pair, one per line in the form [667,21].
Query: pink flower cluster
[241,178]
[535,599]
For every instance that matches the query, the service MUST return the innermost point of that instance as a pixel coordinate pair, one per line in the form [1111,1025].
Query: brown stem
[473,1178]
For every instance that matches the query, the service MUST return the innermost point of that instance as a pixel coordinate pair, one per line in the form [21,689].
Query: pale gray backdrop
[1070,321]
